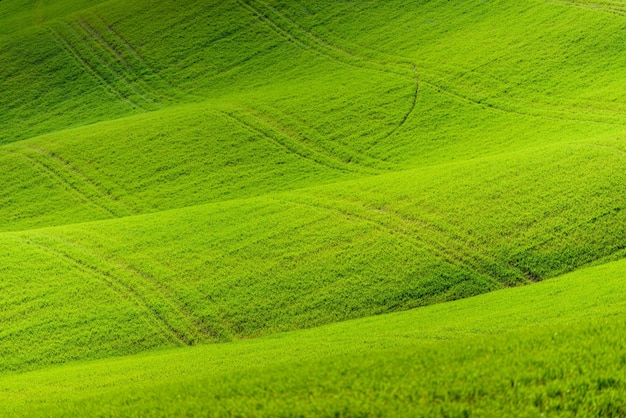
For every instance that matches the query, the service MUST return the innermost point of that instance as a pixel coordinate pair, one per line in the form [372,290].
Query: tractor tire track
[195,332]
[84,63]
[421,243]
[308,154]
[305,40]
[145,67]
[486,105]
[601,7]
[112,58]
[95,50]
[321,152]
[406,116]
[461,246]
[374,163]
[177,318]
[122,289]
[293,32]
[67,185]
[122,52]
[566,231]
[121,209]
[382,66]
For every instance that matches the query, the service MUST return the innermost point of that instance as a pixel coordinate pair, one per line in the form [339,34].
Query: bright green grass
[554,348]
[299,259]
[177,173]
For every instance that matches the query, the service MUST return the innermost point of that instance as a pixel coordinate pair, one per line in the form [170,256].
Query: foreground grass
[555,348]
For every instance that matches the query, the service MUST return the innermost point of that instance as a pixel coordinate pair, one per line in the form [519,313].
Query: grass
[219,172]
[549,348]
[298,259]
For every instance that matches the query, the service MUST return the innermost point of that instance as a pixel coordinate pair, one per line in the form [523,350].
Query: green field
[304,191]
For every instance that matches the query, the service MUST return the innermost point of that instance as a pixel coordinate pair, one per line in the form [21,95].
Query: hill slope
[553,348]
[303,258]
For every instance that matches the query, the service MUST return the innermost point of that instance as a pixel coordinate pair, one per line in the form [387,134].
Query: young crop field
[312,208]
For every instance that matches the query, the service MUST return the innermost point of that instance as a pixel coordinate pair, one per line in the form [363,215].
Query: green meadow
[312,208]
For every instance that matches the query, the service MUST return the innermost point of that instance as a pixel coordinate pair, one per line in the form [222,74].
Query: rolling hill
[198,172]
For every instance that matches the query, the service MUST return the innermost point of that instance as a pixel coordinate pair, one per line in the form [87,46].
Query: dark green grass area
[555,348]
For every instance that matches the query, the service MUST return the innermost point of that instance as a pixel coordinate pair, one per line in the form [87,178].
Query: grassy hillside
[303,258]
[195,172]
[554,348]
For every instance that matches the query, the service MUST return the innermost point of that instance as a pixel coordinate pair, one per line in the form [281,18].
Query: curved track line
[295,33]
[374,163]
[184,324]
[258,130]
[46,169]
[108,57]
[138,56]
[406,116]
[118,287]
[193,332]
[321,152]
[81,178]
[381,65]
[304,39]
[109,46]
[497,108]
[89,68]
[421,244]
[95,49]
[602,7]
